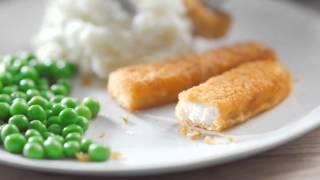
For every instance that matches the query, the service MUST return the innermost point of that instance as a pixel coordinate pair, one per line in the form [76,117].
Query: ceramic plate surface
[150,142]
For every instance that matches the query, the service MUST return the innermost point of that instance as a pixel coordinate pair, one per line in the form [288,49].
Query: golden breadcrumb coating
[210,23]
[239,93]
[142,86]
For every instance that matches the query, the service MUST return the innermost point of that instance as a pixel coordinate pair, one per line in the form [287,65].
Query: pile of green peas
[39,119]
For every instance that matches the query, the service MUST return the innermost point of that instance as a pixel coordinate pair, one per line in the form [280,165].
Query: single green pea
[53,120]
[32,93]
[92,104]
[58,89]
[32,132]
[98,152]
[28,72]
[8,59]
[21,121]
[71,148]
[39,126]
[47,134]
[36,112]
[84,145]
[5,98]
[66,83]
[36,139]
[6,78]
[19,100]
[53,149]
[43,84]
[7,130]
[84,111]
[57,138]
[33,150]
[41,69]
[18,94]
[83,122]
[72,128]
[9,89]
[69,102]
[56,99]
[55,128]
[46,94]
[14,143]
[26,84]
[74,136]
[27,56]
[5,111]
[18,107]
[38,100]
[57,108]
[64,69]
[68,116]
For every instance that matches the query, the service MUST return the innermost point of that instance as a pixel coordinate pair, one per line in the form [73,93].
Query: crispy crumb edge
[116,155]
[82,157]
[125,119]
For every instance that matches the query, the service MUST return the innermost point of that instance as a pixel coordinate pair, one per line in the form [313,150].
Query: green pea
[5,98]
[19,100]
[26,84]
[9,89]
[46,94]
[18,94]
[6,79]
[21,121]
[74,136]
[27,56]
[32,132]
[36,139]
[8,59]
[66,83]
[92,104]
[98,152]
[58,89]
[53,120]
[38,100]
[56,99]
[33,150]
[18,107]
[55,128]
[57,138]
[53,149]
[41,69]
[28,72]
[72,128]
[84,111]
[68,116]
[43,84]
[36,112]
[39,126]
[83,122]
[14,143]
[84,145]
[69,102]
[5,111]
[71,148]
[47,134]
[57,108]
[8,129]
[32,93]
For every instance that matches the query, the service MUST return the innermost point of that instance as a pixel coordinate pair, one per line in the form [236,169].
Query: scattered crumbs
[87,79]
[102,135]
[194,135]
[82,157]
[125,119]
[183,130]
[208,140]
[116,155]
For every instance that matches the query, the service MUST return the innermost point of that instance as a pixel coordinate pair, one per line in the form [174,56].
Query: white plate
[150,142]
